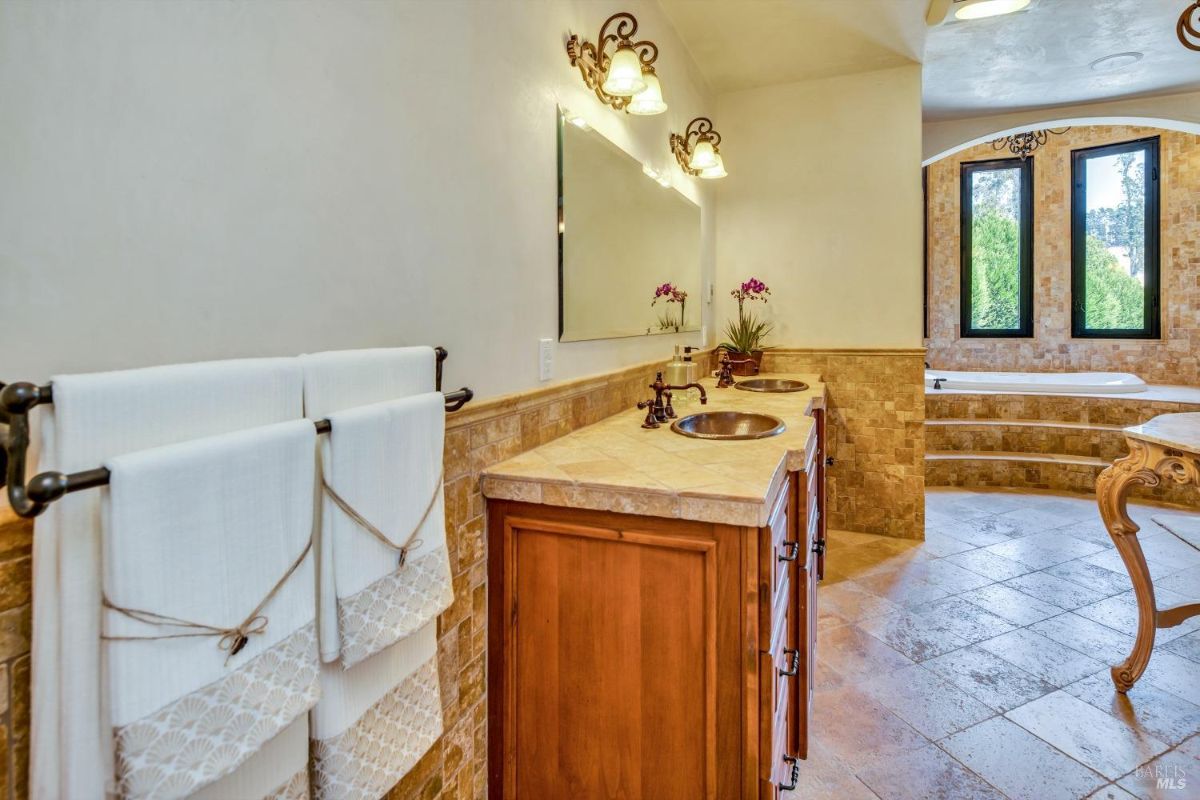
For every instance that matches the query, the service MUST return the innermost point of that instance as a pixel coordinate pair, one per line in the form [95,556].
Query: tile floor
[975,664]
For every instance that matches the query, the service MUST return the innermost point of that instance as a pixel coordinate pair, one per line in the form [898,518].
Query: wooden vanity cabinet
[637,656]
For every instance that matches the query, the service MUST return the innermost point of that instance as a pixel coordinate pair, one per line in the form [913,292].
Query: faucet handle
[651,421]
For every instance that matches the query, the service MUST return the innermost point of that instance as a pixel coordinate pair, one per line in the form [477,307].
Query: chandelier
[1023,144]
[1188,28]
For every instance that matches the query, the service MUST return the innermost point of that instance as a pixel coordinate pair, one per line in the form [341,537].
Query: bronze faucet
[660,408]
[725,376]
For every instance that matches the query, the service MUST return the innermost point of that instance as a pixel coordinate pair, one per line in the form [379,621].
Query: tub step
[1029,458]
[1023,423]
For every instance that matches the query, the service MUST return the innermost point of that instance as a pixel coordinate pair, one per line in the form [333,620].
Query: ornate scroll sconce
[698,149]
[1188,28]
[625,79]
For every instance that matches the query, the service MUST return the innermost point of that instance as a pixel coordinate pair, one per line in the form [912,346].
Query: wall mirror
[622,237]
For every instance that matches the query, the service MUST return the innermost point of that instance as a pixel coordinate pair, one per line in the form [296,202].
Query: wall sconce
[624,80]
[702,157]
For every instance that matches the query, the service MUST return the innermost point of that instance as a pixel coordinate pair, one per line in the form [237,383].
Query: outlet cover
[545,359]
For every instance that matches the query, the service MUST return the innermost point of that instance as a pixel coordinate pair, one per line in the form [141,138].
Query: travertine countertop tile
[616,465]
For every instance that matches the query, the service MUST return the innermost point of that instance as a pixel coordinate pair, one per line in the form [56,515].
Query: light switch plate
[545,359]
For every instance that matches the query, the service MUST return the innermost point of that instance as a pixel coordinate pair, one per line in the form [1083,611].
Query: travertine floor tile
[1185,582]
[1171,776]
[1087,734]
[1090,576]
[1171,552]
[857,728]
[982,531]
[1020,764]
[931,705]
[953,578]
[1011,605]
[853,602]
[911,635]
[1044,549]
[1175,674]
[825,775]
[1187,646]
[1054,590]
[1110,559]
[902,587]
[1144,708]
[1050,661]
[853,653]
[924,774]
[988,678]
[1120,613]
[1111,792]
[964,619]
[1036,520]
[989,565]
[1085,636]
[940,544]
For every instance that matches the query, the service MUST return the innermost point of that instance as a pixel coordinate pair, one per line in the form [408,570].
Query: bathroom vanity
[652,606]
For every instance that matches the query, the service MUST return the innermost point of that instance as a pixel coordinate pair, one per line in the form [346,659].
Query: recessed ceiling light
[988,8]
[1116,62]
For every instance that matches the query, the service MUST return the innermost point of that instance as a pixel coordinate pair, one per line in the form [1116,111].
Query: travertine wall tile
[1174,359]
[876,436]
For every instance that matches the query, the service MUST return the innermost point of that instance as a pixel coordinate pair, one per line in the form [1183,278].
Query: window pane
[996,249]
[1114,291]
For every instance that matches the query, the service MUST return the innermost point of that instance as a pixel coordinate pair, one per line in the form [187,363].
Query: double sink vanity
[652,599]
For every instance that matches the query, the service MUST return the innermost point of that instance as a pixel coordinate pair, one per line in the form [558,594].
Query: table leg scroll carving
[1146,465]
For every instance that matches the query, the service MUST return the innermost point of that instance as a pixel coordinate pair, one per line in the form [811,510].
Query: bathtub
[1036,382]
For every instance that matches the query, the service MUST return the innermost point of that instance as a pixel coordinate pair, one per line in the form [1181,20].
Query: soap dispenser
[677,369]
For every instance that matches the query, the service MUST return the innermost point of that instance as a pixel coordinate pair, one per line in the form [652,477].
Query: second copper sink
[729,425]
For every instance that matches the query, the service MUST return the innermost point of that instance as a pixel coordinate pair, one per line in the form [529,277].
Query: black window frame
[1024,330]
[1153,314]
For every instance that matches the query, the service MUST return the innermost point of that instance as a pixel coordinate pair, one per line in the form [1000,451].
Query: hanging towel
[342,379]
[383,526]
[209,604]
[375,721]
[258,778]
[95,417]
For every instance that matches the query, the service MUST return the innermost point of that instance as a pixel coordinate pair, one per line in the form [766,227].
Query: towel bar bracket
[30,498]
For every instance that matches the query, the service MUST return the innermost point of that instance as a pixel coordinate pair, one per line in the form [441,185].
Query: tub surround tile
[616,465]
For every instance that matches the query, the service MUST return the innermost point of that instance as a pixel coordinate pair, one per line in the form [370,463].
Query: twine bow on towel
[232,640]
[410,541]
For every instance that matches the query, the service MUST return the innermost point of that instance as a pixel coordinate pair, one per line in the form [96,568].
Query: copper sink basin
[729,425]
[771,385]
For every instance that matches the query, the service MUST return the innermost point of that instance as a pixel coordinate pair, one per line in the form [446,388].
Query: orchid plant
[670,293]
[747,334]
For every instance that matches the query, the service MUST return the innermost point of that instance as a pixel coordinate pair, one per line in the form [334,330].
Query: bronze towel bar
[29,499]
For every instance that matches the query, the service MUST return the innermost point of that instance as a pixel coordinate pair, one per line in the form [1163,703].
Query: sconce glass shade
[704,155]
[624,76]
[649,100]
[717,170]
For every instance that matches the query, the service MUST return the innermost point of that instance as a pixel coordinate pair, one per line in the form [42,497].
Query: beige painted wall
[823,203]
[194,180]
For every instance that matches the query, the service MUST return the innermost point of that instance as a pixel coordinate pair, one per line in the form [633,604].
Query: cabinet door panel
[613,652]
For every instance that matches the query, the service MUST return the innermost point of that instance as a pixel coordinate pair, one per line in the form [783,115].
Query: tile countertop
[616,465]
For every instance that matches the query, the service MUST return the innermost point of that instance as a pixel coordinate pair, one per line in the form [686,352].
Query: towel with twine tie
[385,570]
[195,534]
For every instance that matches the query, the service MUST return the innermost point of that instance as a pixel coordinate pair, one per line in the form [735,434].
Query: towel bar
[30,498]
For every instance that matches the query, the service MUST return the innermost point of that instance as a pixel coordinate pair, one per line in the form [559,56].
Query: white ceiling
[1031,59]
[744,44]
[1041,57]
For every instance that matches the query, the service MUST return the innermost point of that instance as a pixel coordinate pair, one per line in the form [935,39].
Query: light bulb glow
[649,100]
[624,75]
[717,170]
[704,155]
[989,8]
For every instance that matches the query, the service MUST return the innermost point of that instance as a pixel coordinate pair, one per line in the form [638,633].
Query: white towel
[93,418]
[375,721]
[201,538]
[342,379]
[258,778]
[385,462]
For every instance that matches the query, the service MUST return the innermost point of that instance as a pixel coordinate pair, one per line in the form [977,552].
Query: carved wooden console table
[1165,448]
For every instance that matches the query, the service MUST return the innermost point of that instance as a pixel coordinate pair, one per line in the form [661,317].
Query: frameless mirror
[622,238]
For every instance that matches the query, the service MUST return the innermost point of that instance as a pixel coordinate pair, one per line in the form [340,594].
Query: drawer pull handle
[829,461]
[795,776]
[819,548]
[795,668]
[793,551]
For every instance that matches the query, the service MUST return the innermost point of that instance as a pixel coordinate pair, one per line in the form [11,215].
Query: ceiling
[1041,57]
[745,44]
[1036,58]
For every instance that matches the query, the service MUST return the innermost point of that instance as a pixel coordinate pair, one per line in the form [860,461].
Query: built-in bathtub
[1035,382]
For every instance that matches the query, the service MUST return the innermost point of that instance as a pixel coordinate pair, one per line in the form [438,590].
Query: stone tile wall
[16,551]
[1174,359]
[876,435]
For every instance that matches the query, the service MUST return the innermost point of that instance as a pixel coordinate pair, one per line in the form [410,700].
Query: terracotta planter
[745,365]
